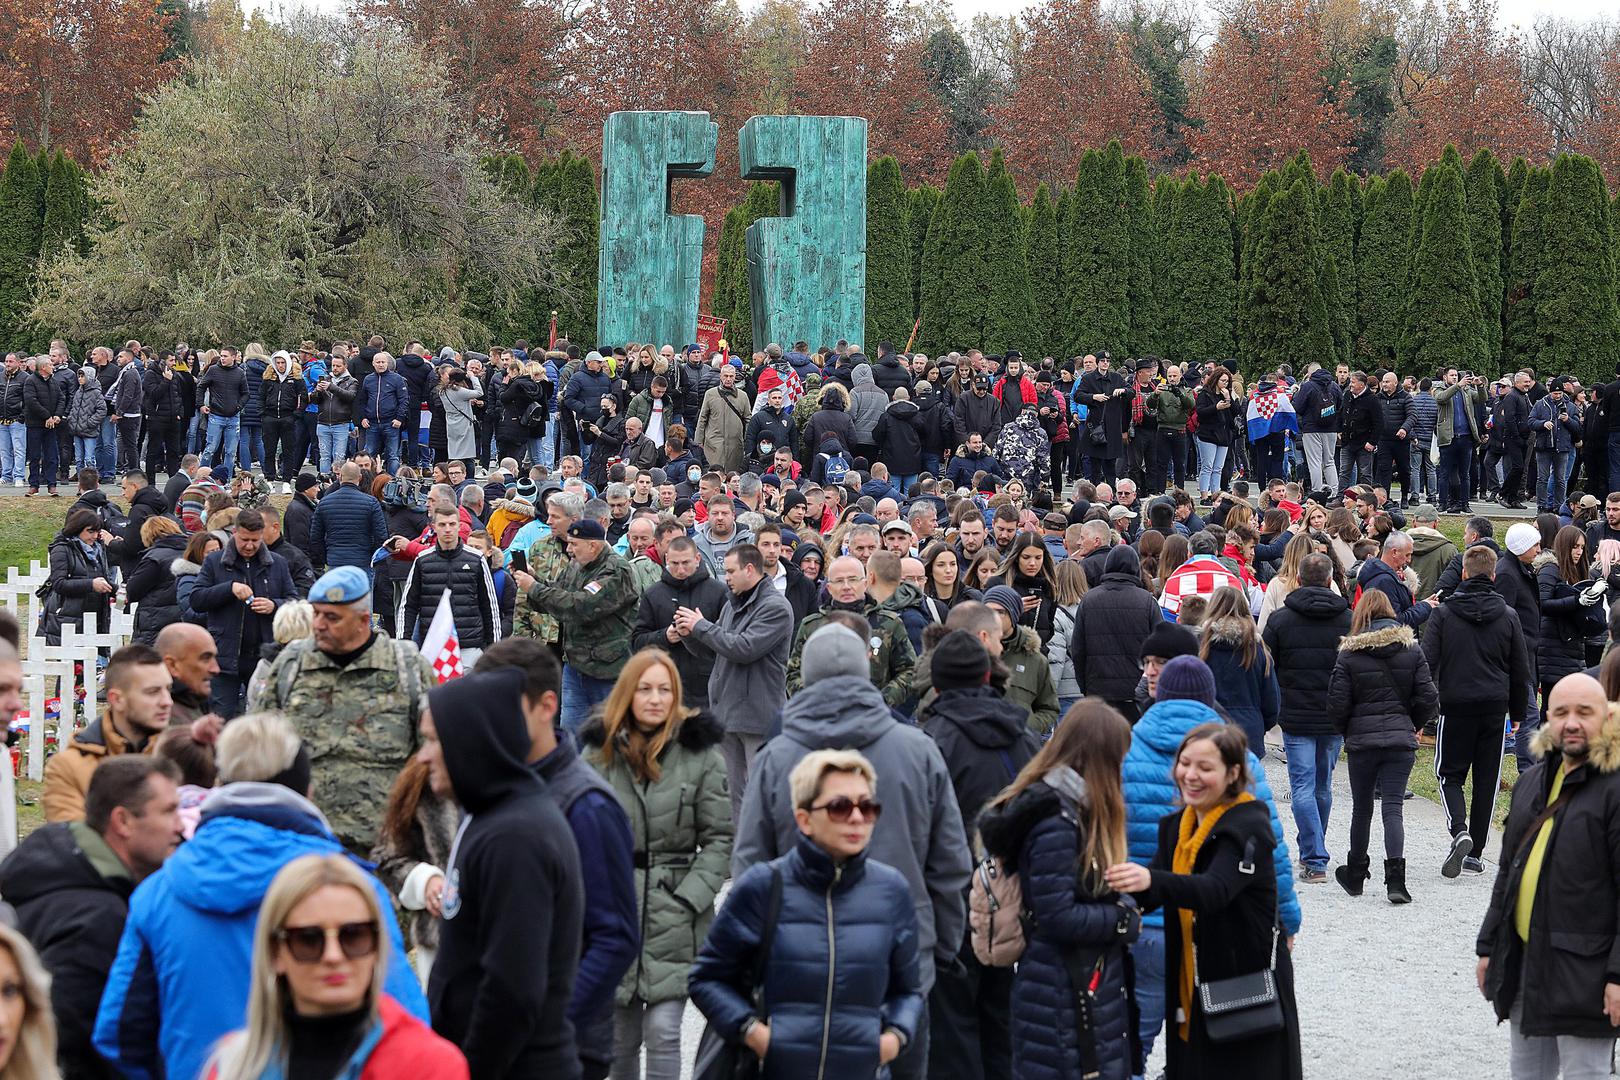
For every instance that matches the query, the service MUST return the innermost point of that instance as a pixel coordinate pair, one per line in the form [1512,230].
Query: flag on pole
[441,646]
[916,326]
[1270,411]
[552,342]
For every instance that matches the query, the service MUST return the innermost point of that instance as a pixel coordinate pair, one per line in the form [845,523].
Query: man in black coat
[1362,423]
[1510,428]
[145,502]
[977,411]
[1476,531]
[277,541]
[985,741]
[1516,582]
[509,942]
[1481,666]
[70,883]
[44,405]
[1559,980]
[687,583]
[1303,639]
[1107,397]
[300,510]
[1393,458]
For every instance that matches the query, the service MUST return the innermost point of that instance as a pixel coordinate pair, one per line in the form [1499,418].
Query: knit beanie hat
[832,651]
[1168,641]
[1007,599]
[959,661]
[1187,678]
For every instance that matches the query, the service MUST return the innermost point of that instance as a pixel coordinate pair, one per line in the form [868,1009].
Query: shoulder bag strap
[767,931]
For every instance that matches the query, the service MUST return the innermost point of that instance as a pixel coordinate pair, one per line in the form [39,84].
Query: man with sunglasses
[919,834]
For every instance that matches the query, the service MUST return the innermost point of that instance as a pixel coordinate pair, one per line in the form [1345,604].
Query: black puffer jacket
[223,389]
[1477,654]
[985,740]
[770,426]
[42,399]
[1380,692]
[1557,979]
[72,593]
[11,394]
[152,586]
[1397,415]
[1303,639]
[473,603]
[335,404]
[281,398]
[516,397]
[899,438]
[163,400]
[692,659]
[889,373]
[1516,583]
[1565,624]
[1111,623]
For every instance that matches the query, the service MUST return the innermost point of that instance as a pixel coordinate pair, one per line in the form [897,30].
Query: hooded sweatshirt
[984,740]
[920,833]
[513,905]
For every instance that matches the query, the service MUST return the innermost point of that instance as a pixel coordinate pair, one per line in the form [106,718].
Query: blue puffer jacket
[253,400]
[1150,794]
[831,986]
[1037,832]
[347,526]
[385,398]
[185,962]
[314,372]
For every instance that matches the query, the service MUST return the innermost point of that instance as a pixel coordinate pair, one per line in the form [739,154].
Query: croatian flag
[1199,576]
[1270,411]
[440,645]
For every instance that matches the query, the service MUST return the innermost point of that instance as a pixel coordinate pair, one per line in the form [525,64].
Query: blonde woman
[294,621]
[316,1009]
[27,1029]
[663,761]
[1286,579]
[1069,585]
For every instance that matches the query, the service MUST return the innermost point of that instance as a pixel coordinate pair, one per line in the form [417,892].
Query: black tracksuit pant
[1470,741]
[971,1033]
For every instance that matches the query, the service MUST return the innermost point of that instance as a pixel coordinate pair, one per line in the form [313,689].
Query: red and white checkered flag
[441,646]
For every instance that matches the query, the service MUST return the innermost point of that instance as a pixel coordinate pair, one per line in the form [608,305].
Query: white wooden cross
[82,644]
[38,668]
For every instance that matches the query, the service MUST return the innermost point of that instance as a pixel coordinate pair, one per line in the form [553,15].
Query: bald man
[192,658]
[1548,944]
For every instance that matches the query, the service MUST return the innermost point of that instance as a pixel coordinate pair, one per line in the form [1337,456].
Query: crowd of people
[885,643]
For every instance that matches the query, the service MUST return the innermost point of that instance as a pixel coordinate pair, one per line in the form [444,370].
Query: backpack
[836,469]
[996,915]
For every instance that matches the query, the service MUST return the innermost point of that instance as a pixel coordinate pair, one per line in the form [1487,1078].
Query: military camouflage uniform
[548,558]
[596,605]
[892,654]
[257,497]
[359,723]
[646,572]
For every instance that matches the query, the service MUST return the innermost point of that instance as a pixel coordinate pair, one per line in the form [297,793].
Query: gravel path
[1383,991]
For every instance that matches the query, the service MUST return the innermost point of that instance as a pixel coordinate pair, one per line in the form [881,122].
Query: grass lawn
[27,526]
[1424,783]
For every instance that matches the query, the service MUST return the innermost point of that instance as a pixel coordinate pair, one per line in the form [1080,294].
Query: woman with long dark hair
[663,761]
[82,579]
[1213,874]
[413,847]
[943,587]
[1215,406]
[1571,611]
[1060,824]
[1379,696]
[1029,569]
[1245,678]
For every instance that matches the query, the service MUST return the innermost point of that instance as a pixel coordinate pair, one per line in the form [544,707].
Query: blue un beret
[341,585]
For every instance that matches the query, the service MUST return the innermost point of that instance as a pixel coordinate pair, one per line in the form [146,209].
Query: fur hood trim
[1546,558]
[1223,631]
[1605,750]
[182,567]
[1369,640]
[698,732]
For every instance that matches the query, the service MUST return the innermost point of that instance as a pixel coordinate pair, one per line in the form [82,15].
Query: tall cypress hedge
[1289,322]
[22,218]
[1381,264]
[954,286]
[1485,235]
[1338,225]
[920,204]
[1045,283]
[1442,314]
[1201,273]
[1096,267]
[1576,317]
[1521,341]
[1007,313]
[888,255]
[1141,295]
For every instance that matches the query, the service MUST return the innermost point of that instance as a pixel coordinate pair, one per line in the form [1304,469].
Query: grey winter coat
[867,404]
[920,833]
[750,642]
[88,410]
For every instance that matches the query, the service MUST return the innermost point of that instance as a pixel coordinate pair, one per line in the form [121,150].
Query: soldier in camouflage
[892,655]
[547,559]
[355,696]
[595,601]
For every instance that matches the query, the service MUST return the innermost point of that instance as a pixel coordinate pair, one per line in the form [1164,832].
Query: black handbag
[718,1058]
[1243,1006]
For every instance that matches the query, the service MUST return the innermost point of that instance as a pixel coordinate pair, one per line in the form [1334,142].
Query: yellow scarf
[1190,838]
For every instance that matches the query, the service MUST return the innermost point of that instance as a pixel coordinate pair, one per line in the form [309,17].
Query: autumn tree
[1462,82]
[1576,317]
[1598,134]
[864,58]
[1074,86]
[75,72]
[888,255]
[1260,95]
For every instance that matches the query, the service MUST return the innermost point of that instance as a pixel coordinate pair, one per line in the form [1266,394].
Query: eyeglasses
[843,806]
[307,944]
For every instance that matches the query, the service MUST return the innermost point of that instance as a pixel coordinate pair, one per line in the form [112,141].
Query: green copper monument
[650,260]
[807,268]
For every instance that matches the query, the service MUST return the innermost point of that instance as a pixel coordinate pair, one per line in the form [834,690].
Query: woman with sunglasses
[840,996]
[663,761]
[316,1009]
[1059,825]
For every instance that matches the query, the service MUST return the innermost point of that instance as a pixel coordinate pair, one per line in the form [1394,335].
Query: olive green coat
[682,827]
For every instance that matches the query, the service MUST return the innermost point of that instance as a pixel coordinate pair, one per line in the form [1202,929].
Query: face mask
[766,446]
[694,474]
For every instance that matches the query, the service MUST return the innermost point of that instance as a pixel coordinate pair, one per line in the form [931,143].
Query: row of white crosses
[45,662]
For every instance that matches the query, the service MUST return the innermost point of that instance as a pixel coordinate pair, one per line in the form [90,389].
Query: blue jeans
[13,453]
[223,432]
[580,694]
[542,450]
[106,453]
[193,446]
[333,440]
[904,482]
[84,453]
[1310,778]
[1556,464]
[251,444]
[1148,954]
[384,439]
[1211,460]
[930,464]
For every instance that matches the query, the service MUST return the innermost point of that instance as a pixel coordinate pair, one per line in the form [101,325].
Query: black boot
[1352,873]
[1395,881]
